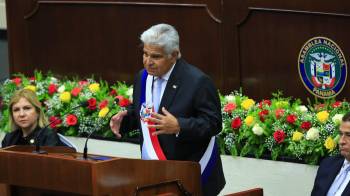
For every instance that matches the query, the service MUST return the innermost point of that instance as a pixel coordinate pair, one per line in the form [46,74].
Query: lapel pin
[174,86]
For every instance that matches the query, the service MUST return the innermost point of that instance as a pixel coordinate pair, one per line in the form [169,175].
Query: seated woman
[26,121]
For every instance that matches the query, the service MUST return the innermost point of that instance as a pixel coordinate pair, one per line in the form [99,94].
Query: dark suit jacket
[47,138]
[326,173]
[192,98]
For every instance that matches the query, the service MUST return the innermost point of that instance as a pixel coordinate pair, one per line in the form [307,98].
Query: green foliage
[60,96]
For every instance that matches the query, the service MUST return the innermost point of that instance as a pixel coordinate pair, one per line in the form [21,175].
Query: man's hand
[164,124]
[116,121]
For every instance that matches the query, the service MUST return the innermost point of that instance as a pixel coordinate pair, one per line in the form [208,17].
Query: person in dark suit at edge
[333,175]
[189,114]
[26,121]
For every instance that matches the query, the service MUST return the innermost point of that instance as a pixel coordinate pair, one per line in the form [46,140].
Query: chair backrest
[66,142]
[250,192]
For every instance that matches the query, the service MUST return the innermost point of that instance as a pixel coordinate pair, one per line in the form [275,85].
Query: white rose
[257,130]
[302,108]
[337,118]
[230,98]
[312,134]
[129,92]
[53,80]
[61,89]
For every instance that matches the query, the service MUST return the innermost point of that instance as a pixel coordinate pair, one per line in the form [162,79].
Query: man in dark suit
[189,114]
[333,175]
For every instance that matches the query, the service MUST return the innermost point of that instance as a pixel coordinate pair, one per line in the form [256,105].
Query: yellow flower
[297,136]
[95,87]
[103,112]
[31,87]
[322,116]
[249,120]
[65,97]
[246,104]
[330,144]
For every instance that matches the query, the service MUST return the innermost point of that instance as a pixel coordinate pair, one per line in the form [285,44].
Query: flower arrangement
[277,127]
[280,127]
[60,96]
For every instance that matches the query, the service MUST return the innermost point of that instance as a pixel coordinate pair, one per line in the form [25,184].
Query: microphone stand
[85,146]
[37,137]
[85,154]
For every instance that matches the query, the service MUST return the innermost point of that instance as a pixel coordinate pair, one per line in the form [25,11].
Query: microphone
[37,137]
[85,153]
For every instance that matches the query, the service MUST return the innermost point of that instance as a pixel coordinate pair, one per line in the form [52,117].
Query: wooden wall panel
[102,37]
[243,43]
[268,36]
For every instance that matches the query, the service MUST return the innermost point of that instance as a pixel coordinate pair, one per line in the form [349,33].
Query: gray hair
[162,35]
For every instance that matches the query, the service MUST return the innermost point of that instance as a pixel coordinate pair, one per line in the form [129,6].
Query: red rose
[83,83]
[279,136]
[262,115]
[71,120]
[306,125]
[291,118]
[103,104]
[123,102]
[279,113]
[264,102]
[113,92]
[75,91]
[55,121]
[52,89]
[236,123]
[336,104]
[229,107]
[17,81]
[92,104]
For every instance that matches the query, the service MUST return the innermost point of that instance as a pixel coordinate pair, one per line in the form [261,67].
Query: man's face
[156,61]
[344,140]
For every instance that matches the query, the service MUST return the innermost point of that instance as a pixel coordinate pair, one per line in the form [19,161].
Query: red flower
[236,123]
[103,104]
[17,81]
[336,104]
[279,113]
[306,125]
[291,118]
[113,92]
[123,102]
[262,115]
[32,79]
[83,83]
[229,107]
[92,104]
[279,136]
[55,121]
[75,91]
[52,89]
[71,120]
[264,102]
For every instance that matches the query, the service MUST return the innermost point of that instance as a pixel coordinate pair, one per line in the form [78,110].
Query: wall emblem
[322,67]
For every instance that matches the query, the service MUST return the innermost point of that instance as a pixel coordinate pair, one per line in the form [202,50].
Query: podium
[62,171]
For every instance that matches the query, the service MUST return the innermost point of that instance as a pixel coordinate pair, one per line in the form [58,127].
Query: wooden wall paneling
[102,37]
[270,38]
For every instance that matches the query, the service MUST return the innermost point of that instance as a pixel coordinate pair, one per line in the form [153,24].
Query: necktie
[157,92]
[338,181]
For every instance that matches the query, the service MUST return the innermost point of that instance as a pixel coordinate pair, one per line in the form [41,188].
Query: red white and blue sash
[151,149]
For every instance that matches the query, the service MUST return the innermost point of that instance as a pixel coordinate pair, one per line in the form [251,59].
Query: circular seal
[322,67]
